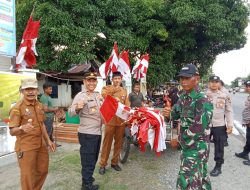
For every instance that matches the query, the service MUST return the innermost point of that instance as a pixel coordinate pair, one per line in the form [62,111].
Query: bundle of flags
[121,63]
[141,67]
[26,56]
[145,123]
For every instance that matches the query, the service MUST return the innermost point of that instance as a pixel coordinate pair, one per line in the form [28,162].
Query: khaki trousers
[116,132]
[33,168]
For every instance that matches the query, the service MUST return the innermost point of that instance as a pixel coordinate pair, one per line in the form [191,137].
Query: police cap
[247,83]
[90,75]
[214,78]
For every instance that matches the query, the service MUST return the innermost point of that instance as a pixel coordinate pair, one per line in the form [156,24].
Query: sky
[233,64]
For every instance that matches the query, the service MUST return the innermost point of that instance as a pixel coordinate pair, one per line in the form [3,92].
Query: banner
[7,28]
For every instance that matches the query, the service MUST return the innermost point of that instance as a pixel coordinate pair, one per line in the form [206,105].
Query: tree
[173,32]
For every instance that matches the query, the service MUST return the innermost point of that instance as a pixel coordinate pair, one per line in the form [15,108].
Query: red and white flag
[124,65]
[141,67]
[26,56]
[111,64]
[112,107]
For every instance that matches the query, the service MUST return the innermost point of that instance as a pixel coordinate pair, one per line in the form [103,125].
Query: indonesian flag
[26,56]
[141,67]
[124,65]
[112,107]
[111,64]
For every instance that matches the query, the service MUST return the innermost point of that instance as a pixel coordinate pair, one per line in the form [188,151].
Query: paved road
[238,100]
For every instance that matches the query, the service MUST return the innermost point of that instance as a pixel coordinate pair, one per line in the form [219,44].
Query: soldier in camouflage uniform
[194,111]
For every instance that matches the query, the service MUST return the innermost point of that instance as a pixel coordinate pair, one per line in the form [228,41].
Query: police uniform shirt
[222,108]
[20,114]
[90,117]
[246,112]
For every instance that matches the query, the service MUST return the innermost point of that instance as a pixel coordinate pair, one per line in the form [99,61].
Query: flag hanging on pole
[26,56]
[124,65]
[141,67]
[111,64]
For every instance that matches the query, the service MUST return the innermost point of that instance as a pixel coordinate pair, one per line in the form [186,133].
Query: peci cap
[188,70]
[116,74]
[29,83]
[90,75]
[214,78]
[247,83]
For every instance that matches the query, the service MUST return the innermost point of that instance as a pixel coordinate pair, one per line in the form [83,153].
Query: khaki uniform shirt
[90,117]
[119,93]
[19,115]
[223,111]
[246,112]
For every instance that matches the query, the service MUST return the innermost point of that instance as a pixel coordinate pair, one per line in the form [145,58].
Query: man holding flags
[114,128]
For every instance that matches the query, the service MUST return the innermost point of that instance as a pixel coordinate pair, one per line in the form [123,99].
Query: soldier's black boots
[90,187]
[102,170]
[116,167]
[216,171]
[247,162]
[242,155]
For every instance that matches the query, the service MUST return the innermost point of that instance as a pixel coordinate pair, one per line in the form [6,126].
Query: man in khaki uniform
[246,123]
[87,104]
[27,124]
[222,116]
[114,129]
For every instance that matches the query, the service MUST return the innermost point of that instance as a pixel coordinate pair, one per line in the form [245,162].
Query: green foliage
[173,32]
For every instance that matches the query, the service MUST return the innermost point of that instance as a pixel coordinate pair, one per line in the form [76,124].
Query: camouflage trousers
[193,173]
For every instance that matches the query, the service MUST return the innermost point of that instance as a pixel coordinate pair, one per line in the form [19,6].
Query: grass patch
[65,161]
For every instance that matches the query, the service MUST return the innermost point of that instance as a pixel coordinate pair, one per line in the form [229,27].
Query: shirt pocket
[220,103]
[40,115]
[92,106]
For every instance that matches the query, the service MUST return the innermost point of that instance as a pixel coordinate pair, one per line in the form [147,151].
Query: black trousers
[247,146]
[219,136]
[89,151]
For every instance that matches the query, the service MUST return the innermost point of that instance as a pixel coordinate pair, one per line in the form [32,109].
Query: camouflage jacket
[195,112]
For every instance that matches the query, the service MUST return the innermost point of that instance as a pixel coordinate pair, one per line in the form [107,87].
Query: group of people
[202,115]
[198,113]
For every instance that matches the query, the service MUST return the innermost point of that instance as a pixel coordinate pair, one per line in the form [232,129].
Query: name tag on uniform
[92,106]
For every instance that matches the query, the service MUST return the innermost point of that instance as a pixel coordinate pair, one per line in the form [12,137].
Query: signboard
[9,92]
[7,28]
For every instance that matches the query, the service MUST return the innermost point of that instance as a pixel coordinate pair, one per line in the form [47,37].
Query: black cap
[214,78]
[188,70]
[247,83]
[90,75]
[116,74]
